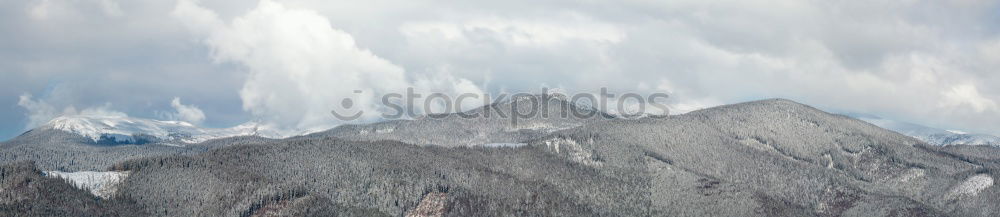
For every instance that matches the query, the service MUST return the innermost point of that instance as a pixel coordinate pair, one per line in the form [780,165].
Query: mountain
[932,135]
[94,143]
[786,157]
[112,130]
[59,150]
[762,158]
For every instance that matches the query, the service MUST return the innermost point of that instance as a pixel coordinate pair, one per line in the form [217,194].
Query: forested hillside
[26,192]
[63,151]
[782,156]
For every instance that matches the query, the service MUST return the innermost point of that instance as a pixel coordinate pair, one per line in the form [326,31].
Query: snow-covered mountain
[129,130]
[931,135]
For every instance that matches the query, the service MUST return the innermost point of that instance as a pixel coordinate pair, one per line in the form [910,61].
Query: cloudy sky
[287,63]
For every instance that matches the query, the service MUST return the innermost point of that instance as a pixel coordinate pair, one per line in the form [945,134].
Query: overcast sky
[287,63]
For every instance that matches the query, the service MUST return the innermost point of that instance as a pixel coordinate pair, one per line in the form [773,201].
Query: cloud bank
[287,63]
[40,112]
[299,66]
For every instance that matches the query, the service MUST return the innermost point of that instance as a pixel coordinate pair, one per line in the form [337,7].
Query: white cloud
[565,29]
[186,113]
[967,95]
[46,9]
[518,53]
[104,110]
[110,8]
[929,62]
[40,10]
[198,19]
[41,111]
[442,82]
[299,66]
[863,58]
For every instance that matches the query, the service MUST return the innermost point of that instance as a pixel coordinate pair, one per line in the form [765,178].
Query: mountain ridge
[122,130]
[931,135]
[761,158]
[770,157]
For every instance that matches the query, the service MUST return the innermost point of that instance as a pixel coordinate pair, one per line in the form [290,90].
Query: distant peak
[957,132]
[932,135]
[770,104]
[103,129]
[862,116]
[781,101]
[559,97]
[106,120]
[786,103]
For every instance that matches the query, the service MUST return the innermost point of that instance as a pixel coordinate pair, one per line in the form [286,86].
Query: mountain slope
[758,153]
[763,158]
[27,192]
[390,177]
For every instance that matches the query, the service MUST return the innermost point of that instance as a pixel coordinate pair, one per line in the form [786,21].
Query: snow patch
[957,132]
[101,184]
[572,149]
[758,144]
[972,186]
[540,127]
[501,145]
[433,204]
[829,161]
[912,174]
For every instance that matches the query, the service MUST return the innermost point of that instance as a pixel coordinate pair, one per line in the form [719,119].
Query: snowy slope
[101,184]
[128,130]
[930,135]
